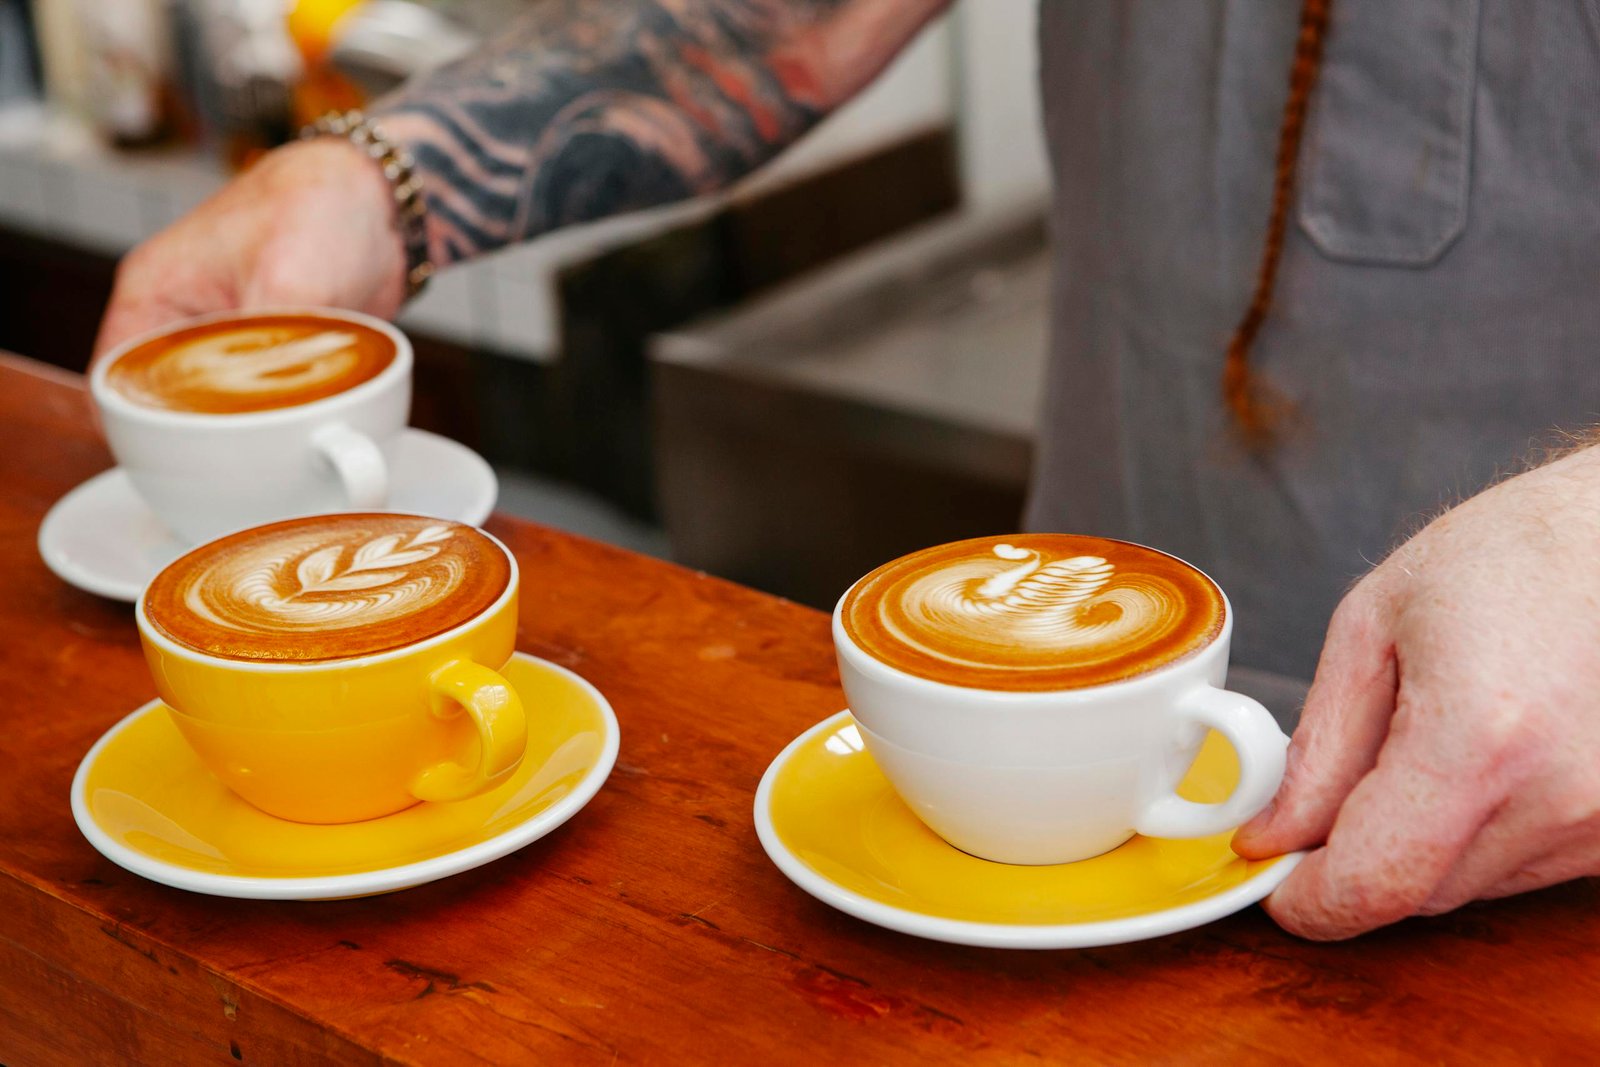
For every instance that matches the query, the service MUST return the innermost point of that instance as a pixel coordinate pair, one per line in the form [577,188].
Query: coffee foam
[1033,612]
[327,587]
[250,364]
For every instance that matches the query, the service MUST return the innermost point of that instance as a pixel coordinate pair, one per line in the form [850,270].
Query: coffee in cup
[339,667]
[1033,613]
[1037,698]
[255,363]
[239,418]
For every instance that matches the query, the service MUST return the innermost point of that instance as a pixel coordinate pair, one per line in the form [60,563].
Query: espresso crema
[327,587]
[250,364]
[1033,612]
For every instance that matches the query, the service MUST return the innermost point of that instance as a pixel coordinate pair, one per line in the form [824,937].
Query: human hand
[1449,749]
[310,224]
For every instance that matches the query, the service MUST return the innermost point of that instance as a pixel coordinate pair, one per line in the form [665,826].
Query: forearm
[587,108]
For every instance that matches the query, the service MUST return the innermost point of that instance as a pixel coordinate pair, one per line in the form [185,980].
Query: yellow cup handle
[496,710]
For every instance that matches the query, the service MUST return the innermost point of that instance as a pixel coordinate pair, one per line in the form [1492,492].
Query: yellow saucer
[833,824]
[146,802]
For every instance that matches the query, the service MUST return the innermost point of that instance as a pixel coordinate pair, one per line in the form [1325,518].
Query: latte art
[1043,611]
[302,583]
[250,364]
[327,587]
[1062,604]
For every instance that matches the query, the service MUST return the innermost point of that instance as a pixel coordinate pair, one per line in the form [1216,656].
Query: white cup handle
[1261,748]
[358,462]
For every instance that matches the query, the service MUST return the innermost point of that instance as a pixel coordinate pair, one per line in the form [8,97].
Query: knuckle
[1496,744]
[1455,737]
[1358,614]
[1358,650]
[1376,891]
[1495,727]
[1359,637]
[283,276]
[1448,896]
[1574,805]
[1380,901]
[1327,900]
[1312,918]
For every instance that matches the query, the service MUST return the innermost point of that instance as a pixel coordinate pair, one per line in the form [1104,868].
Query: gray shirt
[1437,310]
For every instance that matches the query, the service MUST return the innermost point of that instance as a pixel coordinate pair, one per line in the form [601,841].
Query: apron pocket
[1388,154]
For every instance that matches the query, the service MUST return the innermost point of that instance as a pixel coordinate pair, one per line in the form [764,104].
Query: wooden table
[651,928]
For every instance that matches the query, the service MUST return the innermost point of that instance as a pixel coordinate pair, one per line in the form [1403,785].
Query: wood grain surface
[651,928]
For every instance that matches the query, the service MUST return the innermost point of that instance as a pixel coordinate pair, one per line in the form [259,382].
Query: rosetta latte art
[1056,611]
[327,586]
[299,584]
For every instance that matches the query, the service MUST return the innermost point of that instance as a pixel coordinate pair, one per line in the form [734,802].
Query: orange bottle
[313,25]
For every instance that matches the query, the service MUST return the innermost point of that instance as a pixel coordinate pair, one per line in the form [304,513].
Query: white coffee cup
[1033,777]
[209,474]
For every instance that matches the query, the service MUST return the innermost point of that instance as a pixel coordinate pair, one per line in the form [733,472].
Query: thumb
[1344,723]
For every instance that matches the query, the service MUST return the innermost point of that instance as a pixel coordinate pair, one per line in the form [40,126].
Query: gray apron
[1438,307]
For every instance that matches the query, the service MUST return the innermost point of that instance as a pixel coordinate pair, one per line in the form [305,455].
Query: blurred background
[835,363]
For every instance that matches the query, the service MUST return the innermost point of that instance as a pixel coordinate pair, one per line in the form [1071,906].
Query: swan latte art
[255,363]
[327,587]
[1033,612]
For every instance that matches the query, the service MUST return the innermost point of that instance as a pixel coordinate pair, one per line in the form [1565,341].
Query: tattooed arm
[593,107]
[583,109]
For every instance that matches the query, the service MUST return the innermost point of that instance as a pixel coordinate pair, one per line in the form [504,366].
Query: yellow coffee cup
[341,740]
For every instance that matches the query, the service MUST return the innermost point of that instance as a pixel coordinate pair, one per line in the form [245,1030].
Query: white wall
[976,68]
[997,89]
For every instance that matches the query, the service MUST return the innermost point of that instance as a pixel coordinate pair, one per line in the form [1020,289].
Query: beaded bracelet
[399,169]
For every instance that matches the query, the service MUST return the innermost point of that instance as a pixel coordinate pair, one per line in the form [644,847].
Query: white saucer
[104,539]
[834,826]
[146,802]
